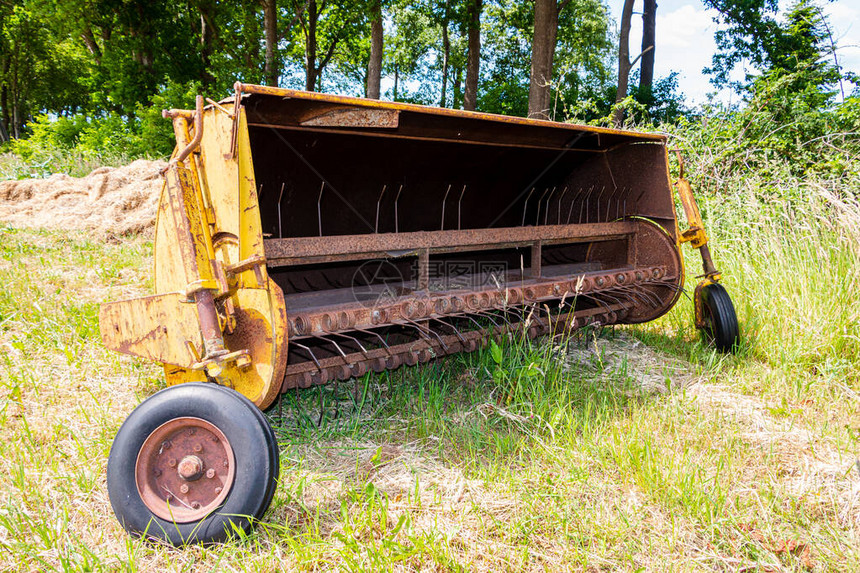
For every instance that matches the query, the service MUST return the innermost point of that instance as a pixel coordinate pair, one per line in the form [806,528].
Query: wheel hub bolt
[210,473]
[198,448]
[195,504]
[171,462]
[184,488]
[190,468]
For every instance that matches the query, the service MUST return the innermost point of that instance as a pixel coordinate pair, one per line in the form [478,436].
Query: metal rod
[546,211]
[558,210]
[526,206]
[354,339]
[459,202]
[396,218]
[319,208]
[444,199]
[378,203]
[602,189]
[540,201]
[281,196]
[309,351]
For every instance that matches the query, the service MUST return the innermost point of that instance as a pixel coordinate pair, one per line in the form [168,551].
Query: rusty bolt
[195,504]
[184,488]
[165,445]
[171,462]
[190,468]
[218,489]
[210,473]
[198,448]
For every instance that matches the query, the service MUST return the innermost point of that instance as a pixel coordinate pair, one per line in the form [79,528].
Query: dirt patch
[110,201]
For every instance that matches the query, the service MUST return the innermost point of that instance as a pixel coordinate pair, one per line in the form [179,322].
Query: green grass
[628,449]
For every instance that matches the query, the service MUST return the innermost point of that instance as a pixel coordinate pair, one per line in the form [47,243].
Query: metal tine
[502,316]
[635,295]
[626,194]
[319,209]
[452,327]
[526,206]
[281,196]
[377,335]
[421,331]
[602,189]
[558,210]
[396,217]
[459,202]
[546,211]
[443,206]
[485,314]
[309,351]
[336,345]
[259,192]
[572,203]
[609,202]
[584,204]
[635,202]
[540,202]
[354,339]
[378,203]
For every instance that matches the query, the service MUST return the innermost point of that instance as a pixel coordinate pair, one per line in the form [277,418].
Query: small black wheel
[191,464]
[720,320]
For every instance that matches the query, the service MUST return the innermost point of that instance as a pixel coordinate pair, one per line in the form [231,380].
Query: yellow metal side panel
[155,327]
[168,270]
[251,232]
[218,173]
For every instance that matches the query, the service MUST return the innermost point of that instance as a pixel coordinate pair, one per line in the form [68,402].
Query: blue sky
[685,40]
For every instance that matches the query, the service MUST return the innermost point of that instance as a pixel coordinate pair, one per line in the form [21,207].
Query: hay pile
[110,201]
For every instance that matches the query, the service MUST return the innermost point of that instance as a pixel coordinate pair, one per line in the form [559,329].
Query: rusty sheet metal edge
[291,251]
[160,327]
[438,111]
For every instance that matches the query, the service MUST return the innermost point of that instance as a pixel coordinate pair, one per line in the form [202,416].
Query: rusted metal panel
[357,117]
[329,248]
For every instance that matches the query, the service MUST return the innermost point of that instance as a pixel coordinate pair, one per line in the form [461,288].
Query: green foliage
[110,136]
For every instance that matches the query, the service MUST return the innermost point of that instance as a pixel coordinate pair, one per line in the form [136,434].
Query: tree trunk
[90,41]
[270,23]
[649,33]
[543,52]
[206,77]
[458,82]
[446,55]
[396,80]
[623,61]
[311,47]
[4,104]
[374,65]
[473,60]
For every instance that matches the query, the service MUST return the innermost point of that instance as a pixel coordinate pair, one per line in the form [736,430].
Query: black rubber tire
[274,449]
[721,321]
[254,447]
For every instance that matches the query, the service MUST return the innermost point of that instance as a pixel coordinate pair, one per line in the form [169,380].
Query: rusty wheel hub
[184,470]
